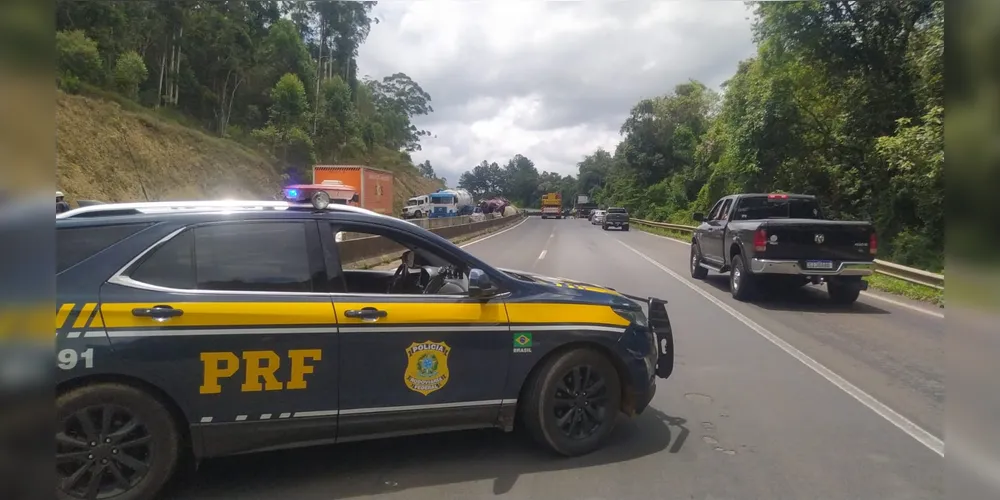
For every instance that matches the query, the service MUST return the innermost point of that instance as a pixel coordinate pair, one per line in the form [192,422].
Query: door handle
[160,312]
[366,314]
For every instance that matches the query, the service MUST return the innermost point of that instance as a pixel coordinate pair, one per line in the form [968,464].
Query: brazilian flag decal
[522,342]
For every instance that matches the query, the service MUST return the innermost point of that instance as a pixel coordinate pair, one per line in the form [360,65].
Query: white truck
[417,207]
[451,203]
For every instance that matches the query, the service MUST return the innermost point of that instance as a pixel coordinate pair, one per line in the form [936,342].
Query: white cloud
[550,80]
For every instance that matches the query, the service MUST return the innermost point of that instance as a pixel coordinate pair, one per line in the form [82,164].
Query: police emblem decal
[427,366]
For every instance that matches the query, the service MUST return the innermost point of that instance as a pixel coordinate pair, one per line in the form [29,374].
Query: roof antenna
[135,165]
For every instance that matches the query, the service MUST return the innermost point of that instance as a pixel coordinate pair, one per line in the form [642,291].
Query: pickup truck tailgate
[812,239]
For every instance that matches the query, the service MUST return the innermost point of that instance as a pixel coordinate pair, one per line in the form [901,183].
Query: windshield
[413,201]
[762,207]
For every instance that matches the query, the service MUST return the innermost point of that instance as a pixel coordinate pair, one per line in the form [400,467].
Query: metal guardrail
[908,274]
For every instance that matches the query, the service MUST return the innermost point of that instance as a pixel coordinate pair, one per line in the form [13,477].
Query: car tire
[843,293]
[153,442]
[697,272]
[547,402]
[625,227]
[741,281]
[418,215]
[604,227]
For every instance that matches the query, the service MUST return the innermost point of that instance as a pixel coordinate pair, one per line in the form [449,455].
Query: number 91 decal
[69,359]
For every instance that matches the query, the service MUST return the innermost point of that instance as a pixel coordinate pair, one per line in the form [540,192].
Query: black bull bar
[659,323]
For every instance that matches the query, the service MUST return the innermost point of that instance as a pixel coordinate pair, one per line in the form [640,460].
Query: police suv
[215,328]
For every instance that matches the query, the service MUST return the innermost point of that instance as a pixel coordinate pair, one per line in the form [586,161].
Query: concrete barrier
[359,248]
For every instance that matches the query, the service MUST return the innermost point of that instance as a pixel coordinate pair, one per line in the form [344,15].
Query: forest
[843,100]
[278,76]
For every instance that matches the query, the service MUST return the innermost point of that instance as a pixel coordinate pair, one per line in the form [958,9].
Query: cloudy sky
[550,80]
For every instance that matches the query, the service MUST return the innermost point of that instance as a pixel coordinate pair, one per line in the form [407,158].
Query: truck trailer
[374,185]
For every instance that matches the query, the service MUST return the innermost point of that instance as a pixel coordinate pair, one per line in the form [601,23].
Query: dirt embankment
[107,153]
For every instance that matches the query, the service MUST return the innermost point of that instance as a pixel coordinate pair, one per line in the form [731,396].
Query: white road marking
[206,420]
[913,430]
[493,234]
[265,416]
[866,294]
[542,255]
[240,418]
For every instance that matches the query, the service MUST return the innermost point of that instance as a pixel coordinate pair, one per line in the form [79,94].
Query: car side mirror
[480,284]
[698,217]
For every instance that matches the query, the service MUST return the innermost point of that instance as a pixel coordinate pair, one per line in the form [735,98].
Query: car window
[616,210]
[170,265]
[762,207]
[76,244]
[364,273]
[724,211]
[259,256]
[715,210]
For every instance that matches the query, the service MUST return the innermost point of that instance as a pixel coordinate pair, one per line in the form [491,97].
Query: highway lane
[740,418]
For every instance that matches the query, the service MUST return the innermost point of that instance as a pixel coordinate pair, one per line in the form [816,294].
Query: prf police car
[214,328]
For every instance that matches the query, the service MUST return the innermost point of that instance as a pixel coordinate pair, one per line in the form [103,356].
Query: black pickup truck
[782,239]
[615,217]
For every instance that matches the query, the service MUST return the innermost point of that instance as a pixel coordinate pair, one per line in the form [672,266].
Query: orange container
[374,185]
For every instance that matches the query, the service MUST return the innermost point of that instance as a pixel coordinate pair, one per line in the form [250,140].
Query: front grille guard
[659,323]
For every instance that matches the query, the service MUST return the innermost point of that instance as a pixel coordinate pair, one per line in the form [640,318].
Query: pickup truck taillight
[872,243]
[760,240]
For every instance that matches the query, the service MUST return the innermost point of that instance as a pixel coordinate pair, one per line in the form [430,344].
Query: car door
[412,362]
[710,241]
[234,317]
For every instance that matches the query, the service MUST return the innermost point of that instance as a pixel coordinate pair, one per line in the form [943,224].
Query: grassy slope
[109,153]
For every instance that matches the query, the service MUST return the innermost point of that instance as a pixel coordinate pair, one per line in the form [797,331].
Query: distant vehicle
[615,217]
[782,239]
[597,217]
[417,207]
[552,205]
[497,204]
[374,186]
[450,203]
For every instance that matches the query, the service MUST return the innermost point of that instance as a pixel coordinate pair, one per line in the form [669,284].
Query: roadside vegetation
[844,100]
[279,77]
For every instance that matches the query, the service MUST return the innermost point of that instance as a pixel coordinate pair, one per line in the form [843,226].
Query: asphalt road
[790,398]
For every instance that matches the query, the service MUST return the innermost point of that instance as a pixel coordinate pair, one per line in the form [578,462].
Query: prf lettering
[259,368]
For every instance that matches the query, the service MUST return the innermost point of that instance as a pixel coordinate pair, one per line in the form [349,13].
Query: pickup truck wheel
[625,227]
[113,441]
[573,401]
[604,227]
[697,272]
[741,280]
[843,293]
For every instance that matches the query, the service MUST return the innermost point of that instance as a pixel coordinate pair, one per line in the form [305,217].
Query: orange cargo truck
[374,185]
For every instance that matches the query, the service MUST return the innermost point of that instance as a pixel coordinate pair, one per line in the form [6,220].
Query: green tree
[130,72]
[77,59]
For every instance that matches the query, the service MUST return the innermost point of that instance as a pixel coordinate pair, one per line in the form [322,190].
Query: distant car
[597,217]
[615,217]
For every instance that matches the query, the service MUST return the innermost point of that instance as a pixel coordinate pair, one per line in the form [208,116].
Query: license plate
[819,264]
